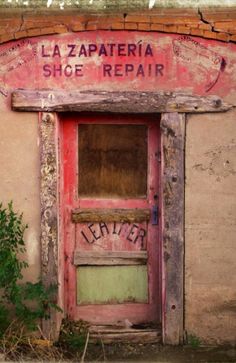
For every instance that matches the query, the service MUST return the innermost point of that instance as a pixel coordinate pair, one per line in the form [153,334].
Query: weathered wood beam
[110,215]
[173,148]
[49,225]
[114,101]
[110,258]
[131,336]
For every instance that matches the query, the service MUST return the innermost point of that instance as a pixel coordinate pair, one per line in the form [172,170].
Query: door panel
[111,189]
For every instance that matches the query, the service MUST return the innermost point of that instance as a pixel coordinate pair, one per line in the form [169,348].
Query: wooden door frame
[173,107]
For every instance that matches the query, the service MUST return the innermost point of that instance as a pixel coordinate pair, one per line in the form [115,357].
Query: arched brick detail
[210,24]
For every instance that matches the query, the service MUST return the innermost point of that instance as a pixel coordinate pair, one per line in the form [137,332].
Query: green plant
[193,341]
[27,301]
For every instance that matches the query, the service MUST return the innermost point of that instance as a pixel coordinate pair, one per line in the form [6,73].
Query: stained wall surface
[210,227]
[19,177]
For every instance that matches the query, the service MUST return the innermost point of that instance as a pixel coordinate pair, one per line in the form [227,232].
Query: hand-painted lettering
[133,233]
[59,70]
[71,50]
[128,54]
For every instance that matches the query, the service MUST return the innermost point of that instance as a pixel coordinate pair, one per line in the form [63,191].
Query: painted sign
[111,236]
[117,61]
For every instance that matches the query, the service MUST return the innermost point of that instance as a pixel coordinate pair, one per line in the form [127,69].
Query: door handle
[154,216]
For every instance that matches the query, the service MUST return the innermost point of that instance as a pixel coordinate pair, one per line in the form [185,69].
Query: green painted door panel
[112,284]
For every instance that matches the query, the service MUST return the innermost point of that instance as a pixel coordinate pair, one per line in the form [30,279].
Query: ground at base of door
[126,352]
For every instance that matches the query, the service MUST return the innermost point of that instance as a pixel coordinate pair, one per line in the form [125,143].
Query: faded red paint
[118,61]
[74,240]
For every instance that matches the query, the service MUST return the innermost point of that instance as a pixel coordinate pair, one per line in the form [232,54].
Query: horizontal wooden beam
[110,258]
[114,101]
[110,215]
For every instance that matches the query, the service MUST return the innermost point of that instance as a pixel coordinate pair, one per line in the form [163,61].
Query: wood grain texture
[110,215]
[49,225]
[173,144]
[110,258]
[112,161]
[114,101]
[131,337]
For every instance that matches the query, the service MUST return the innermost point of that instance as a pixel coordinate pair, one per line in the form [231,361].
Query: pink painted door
[110,208]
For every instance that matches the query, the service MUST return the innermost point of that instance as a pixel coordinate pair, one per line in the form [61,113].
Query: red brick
[131,26]
[170,28]
[137,19]
[157,27]
[21,34]
[60,29]
[205,26]
[112,19]
[197,32]
[225,26]
[181,20]
[183,30]
[77,27]
[91,25]
[144,26]
[47,30]
[118,26]
[233,38]
[104,25]
[33,32]
[6,38]
[208,34]
[223,36]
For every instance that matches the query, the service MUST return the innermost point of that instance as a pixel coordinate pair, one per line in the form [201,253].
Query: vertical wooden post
[49,219]
[173,145]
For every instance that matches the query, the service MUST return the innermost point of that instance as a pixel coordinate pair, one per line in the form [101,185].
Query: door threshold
[116,334]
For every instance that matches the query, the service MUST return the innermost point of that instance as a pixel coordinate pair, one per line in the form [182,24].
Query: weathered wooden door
[111,207]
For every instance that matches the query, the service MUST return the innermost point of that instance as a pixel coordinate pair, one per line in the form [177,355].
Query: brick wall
[219,24]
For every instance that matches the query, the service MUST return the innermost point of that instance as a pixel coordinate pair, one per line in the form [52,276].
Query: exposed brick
[47,30]
[157,27]
[21,34]
[144,26]
[118,26]
[6,37]
[33,32]
[131,26]
[223,36]
[113,19]
[77,27]
[225,26]
[233,38]
[208,34]
[181,20]
[205,26]
[219,14]
[104,25]
[91,25]
[183,30]
[60,29]
[197,32]
[170,28]
[137,19]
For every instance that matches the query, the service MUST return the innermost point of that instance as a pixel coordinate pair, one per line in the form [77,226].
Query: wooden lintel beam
[114,101]
[110,215]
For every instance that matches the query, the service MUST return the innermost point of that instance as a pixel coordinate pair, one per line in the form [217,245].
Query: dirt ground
[139,353]
[159,354]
